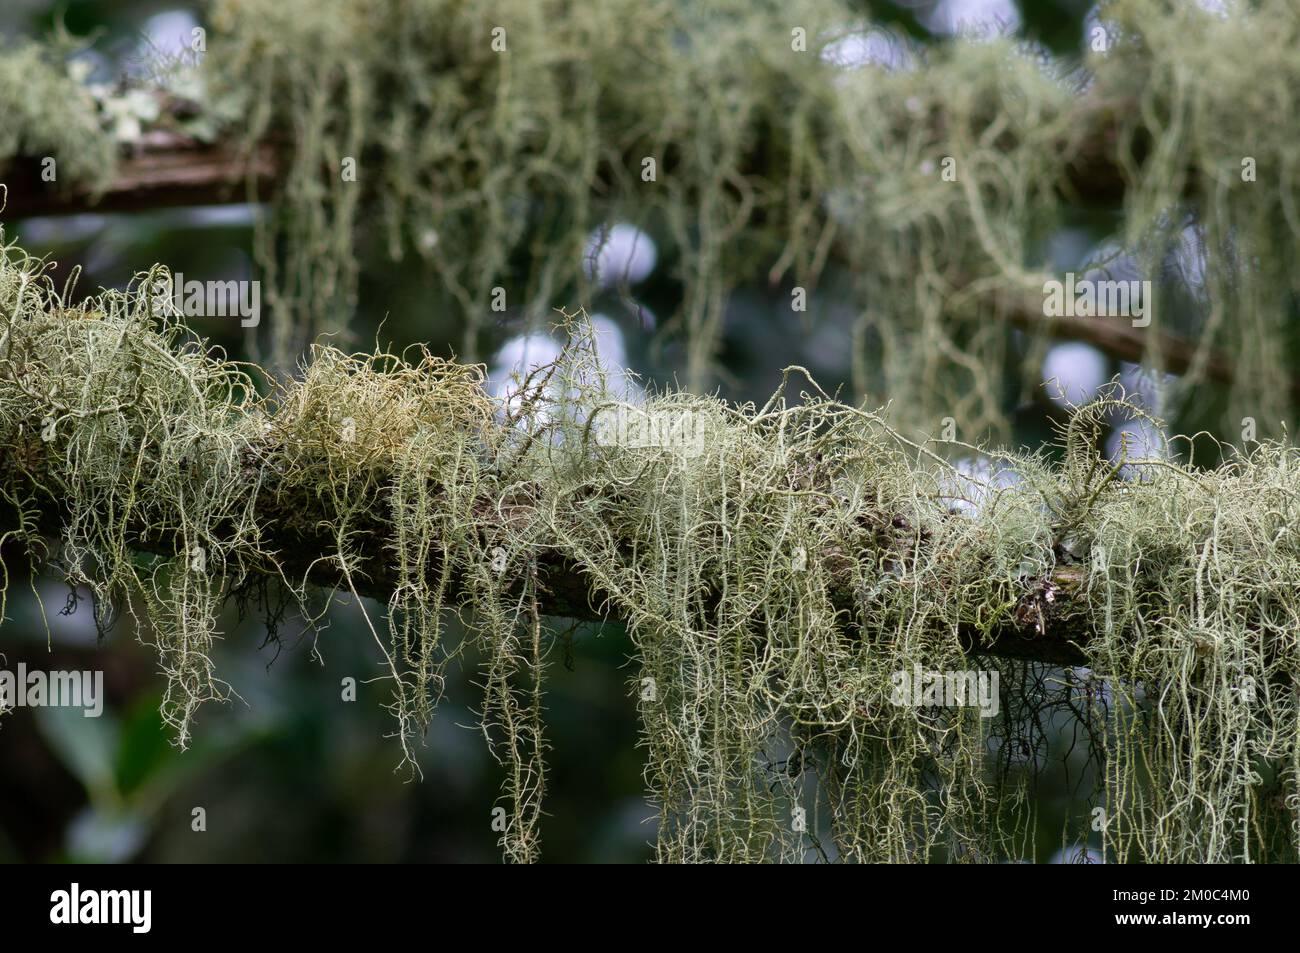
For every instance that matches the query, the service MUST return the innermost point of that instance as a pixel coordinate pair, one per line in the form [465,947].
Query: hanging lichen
[779,569]
[1213,146]
[492,140]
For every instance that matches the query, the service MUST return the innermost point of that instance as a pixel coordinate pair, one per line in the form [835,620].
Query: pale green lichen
[49,114]
[490,140]
[1212,93]
[774,577]
[774,581]
[524,149]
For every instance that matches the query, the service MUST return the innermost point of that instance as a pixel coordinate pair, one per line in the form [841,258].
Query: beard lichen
[488,142]
[1214,195]
[51,116]
[494,139]
[778,568]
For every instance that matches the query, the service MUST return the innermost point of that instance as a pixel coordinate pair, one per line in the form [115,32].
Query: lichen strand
[775,164]
[775,567]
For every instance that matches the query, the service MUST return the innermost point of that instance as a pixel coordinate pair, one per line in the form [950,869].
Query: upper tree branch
[169,170]
[165,170]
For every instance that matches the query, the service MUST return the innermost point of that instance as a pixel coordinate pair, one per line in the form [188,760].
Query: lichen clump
[776,567]
[50,116]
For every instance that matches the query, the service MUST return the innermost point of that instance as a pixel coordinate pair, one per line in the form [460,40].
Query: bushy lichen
[776,568]
[49,114]
[148,433]
[493,139]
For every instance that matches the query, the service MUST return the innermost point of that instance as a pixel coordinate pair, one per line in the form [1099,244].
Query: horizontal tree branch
[169,170]
[164,170]
[1045,625]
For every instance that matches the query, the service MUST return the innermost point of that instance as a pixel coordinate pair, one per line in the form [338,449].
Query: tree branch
[1045,626]
[166,170]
